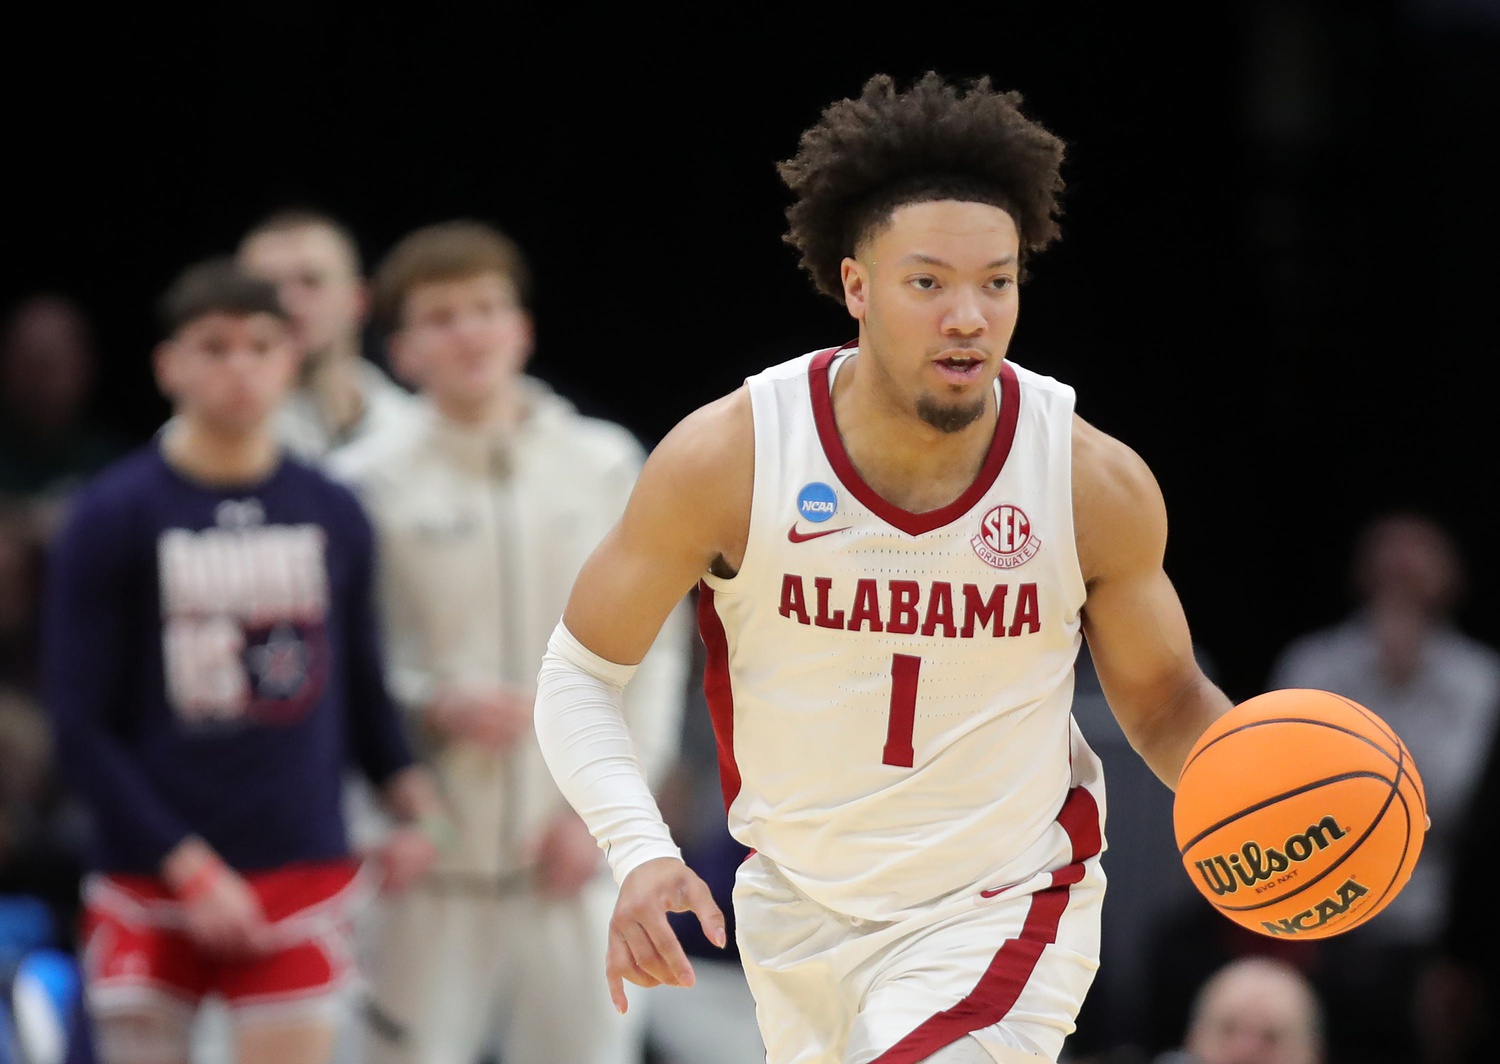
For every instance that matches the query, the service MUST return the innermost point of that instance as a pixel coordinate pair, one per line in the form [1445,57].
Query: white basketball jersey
[892,691]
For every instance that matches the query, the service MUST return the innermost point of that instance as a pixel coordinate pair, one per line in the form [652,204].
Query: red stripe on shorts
[1011,969]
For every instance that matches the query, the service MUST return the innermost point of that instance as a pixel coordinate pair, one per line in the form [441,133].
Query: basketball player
[211,660]
[901,542]
[314,261]
[485,509]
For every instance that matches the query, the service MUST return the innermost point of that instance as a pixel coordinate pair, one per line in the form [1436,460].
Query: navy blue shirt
[211,662]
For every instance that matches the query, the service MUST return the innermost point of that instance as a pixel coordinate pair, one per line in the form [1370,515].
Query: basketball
[1299,814]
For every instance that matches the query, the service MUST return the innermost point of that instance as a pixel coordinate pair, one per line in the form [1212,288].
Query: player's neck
[907,462]
[211,456]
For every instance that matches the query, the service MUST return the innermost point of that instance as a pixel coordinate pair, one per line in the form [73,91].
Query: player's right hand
[643,948]
[226,921]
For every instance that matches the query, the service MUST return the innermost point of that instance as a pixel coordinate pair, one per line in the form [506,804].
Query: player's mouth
[959,367]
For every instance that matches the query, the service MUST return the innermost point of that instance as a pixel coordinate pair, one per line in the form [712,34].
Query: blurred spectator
[486,506]
[20,560]
[1458,996]
[1401,654]
[210,664]
[1254,1010]
[314,261]
[41,837]
[47,442]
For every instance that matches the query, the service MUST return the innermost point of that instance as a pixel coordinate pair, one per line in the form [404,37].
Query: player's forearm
[581,728]
[656,697]
[1164,738]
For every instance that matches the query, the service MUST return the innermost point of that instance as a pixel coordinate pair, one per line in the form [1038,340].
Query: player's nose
[965,315]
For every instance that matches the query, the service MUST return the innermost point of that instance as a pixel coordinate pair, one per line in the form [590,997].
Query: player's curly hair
[886,148]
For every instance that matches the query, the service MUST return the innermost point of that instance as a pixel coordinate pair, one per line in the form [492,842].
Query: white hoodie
[480,535]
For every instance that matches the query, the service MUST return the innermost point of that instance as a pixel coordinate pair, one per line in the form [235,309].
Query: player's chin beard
[949,417]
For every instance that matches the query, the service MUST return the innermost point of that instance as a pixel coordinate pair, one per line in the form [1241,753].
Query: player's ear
[856,293]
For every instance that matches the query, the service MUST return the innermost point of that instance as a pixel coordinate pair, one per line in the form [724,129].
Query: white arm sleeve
[580,724]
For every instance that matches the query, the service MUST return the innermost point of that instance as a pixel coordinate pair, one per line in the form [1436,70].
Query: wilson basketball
[1299,814]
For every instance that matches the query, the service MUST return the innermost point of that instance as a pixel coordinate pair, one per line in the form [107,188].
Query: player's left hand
[643,947]
[404,857]
[566,855]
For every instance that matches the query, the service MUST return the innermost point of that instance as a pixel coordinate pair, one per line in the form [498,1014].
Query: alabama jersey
[892,691]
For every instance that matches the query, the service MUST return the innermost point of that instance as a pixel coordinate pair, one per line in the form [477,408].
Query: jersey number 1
[898,749]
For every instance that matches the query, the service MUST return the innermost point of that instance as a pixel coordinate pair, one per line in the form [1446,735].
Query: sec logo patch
[1005,538]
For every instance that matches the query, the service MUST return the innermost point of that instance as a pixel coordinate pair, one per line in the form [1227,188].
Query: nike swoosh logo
[991,892]
[803,537]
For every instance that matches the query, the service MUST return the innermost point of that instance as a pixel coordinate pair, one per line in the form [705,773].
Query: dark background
[1275,281]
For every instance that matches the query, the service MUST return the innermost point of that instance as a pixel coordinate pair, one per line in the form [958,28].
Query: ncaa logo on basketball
[1005,539]
[816,502]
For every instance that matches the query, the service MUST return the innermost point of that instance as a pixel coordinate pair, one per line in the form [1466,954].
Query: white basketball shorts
[1011,969]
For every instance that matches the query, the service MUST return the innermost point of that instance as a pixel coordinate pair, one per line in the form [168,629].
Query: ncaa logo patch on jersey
[1005,539]
[816,502]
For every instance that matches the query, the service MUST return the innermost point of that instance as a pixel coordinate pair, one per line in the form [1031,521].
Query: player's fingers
[652,953]
[620,965]
[671,963]
[700,901]
[617,993]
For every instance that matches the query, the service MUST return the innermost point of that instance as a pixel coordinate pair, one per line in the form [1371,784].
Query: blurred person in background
[485,507]
[1253,1010]
[42,837]
[48,444]
[1401,654]
[211,661]
[1458,993]
[342,395]
[20,564]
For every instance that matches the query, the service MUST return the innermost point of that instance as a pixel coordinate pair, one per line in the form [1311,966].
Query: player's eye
[1002,283]
[924,283]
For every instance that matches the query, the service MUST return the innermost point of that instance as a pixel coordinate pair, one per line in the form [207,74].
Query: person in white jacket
[485,506]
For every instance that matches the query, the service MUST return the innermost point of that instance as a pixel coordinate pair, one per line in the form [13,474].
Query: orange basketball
[1299,814]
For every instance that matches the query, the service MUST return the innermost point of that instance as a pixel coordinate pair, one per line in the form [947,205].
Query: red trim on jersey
[908,522]
[998,988]
[1079,817]
[717,690]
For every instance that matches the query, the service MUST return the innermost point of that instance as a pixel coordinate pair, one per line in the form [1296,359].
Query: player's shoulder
[797,367]
[1106,465]
[718,431]
[1040,380]
[1119,515]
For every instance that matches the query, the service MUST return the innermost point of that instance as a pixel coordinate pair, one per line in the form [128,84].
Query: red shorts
[135,945]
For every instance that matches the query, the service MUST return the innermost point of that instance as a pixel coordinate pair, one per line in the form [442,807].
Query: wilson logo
[1252,865]
[1321,913]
